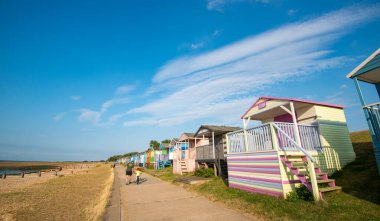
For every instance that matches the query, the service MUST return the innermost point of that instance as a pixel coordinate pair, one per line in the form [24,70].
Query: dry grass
[82,196]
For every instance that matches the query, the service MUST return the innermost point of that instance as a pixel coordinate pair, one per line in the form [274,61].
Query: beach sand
[15,181]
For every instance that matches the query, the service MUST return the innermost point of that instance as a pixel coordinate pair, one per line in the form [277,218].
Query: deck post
[274,137]
[213,144]
[227,144]
[245,123]
[295,123]
[310,164]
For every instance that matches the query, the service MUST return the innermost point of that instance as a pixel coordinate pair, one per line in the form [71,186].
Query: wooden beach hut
[151,156]
[162,156]
[184,154]
[298,142]
[211,147]
[172,146]
[368,72]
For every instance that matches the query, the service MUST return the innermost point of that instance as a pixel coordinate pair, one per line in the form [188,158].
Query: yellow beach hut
[298,141]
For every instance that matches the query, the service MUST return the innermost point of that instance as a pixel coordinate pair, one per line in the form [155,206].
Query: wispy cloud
[291,12]
[95,117]
[89,115]
[219,85]
[200,43]
[115,101]
[126,88]
[342,97]
[59,116]
[218,5]
[75,97]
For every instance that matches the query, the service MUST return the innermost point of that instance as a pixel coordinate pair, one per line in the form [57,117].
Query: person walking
[129,172]
[138,174]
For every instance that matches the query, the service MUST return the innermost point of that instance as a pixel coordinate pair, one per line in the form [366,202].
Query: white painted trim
[363,63]
[286,109]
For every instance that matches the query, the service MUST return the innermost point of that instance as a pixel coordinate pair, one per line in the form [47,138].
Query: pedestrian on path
[138,174]
[129,172]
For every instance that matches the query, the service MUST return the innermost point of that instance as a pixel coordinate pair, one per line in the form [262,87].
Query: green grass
[360,178]
[165,174]
[359,199]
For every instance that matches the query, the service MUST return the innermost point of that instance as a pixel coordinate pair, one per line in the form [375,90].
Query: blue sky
[83,80]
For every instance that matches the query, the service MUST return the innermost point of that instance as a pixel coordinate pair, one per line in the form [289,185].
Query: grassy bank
[165,174]
[81,196]
[359,199]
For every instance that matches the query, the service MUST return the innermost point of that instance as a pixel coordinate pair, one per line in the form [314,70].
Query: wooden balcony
[206,152]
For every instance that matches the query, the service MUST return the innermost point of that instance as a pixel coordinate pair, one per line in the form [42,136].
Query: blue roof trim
[371,65]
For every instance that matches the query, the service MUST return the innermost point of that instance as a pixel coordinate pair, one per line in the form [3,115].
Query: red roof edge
[291,99]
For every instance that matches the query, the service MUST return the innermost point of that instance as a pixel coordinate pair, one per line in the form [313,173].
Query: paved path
[158,200]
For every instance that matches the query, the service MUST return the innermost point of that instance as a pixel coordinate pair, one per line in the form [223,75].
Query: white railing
[284,135]
[236,141]
[260,138]
[309,135]
[373,111]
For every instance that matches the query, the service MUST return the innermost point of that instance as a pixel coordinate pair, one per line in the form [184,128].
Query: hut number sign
[262,105]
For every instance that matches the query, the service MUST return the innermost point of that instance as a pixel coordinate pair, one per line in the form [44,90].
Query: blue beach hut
[368,72]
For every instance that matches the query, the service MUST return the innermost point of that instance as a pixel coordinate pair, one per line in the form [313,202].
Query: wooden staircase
[183,167]
[298,165]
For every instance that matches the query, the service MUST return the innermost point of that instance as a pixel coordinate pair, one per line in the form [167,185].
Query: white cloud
[343,86]
[219,85]
[197,45]
[292,12]
[59,116]
[89,115]
[126,88]
[321,28]
[115,101]
[218,5]
[95,117]
[201,43]
[75,97]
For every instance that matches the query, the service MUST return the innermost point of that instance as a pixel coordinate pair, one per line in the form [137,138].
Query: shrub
[204,172]
[301,193]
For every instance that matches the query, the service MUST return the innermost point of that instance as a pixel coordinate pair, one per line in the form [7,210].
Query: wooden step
[325,181]
[305,173]
[328,189]
[294,161]
[303,167]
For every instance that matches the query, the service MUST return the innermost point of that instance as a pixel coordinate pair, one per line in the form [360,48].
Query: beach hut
[368,72]
[184,154]
[141,159]
[172,146]
[211,147]
[298,142]
[151,156]
[162,156]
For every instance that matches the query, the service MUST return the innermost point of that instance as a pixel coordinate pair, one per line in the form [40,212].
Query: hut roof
[185,136]
[368,70]
[263,99]
[207,129]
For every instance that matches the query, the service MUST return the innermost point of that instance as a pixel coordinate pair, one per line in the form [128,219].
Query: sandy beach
[16,181]
[81,195]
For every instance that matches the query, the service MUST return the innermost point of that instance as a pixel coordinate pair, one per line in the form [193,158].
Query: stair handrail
[296,144]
